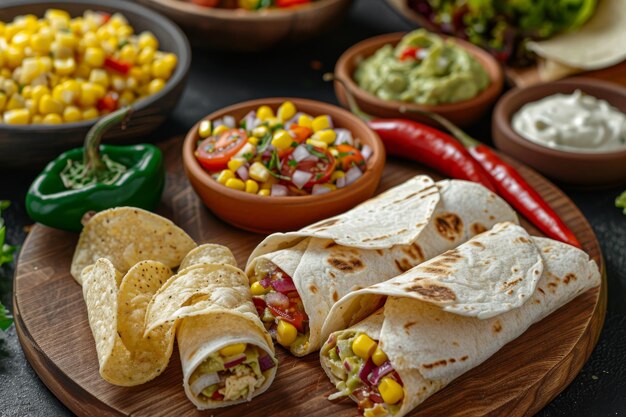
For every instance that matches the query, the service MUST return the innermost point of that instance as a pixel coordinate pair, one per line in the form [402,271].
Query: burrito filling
[233,372]
[365,373]
[280,307]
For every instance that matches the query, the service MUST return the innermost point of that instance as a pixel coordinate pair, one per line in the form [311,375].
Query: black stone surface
[220,79]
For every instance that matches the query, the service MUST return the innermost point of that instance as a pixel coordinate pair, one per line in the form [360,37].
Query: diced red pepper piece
[289,3]
[259,303]
[217,396]
[410,52]
[117,65]
[108,102]
[296,318]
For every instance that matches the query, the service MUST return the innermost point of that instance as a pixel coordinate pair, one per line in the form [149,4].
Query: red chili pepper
[513,187]
[431,147]
[108,102]
[410,52]
[116,65]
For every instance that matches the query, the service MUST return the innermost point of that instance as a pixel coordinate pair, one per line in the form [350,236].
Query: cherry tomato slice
[321,169]
[296,317]
[300,134]
[214,153]
[349,156]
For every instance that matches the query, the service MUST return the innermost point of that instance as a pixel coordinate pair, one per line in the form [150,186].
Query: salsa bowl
[32,146]
[578,168]
[462,113]
[267,214]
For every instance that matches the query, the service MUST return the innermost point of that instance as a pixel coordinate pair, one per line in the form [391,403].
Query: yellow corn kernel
[363,346]
[82,71]
[3,101]
[13,56]
[124,31]
[305,121]
[56,14]
[72,114]
[235,163]
[253,140]
[259,132]
[333,151]
[273,121]
[225,175]
[21,39]
[257,289]
[235,184]
[146,56]
[286,333]
[264,113]
[258,172]
[330,186]
[64,66]
[52,119]
[219,130]
[328,136]
[27,91]
[36,119]
[40,43]
[170,60]
[31,105]
[39,91]
[204,130]
[99,76]
[379,357]
[252,186]
[94,57]
[317,143]
[48,105]
[17,117]
[159,69]
[264,192]
[336,175]
[281,139]
[118,83]
[286,111]
[126,98]
[390,390]
[112,44]
[16,101]
[90,113]
[90,93]
[128,53]
[156,85]
[65,39]
[67,92]
[320,123]
[232,350]
[147,40]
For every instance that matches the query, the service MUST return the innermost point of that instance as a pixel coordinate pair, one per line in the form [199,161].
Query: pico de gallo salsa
[251,4]
[281,309]
[287,153]
[363,371]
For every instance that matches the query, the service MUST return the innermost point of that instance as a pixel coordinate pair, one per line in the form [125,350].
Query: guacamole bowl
[462,113]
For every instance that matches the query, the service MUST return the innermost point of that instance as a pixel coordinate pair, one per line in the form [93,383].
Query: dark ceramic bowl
[280,214]
[584,169]
[33,146]
[251,31]
[462,113]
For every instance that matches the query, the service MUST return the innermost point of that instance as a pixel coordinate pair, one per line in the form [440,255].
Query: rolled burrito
[297,277]
[428,326]
[226,353]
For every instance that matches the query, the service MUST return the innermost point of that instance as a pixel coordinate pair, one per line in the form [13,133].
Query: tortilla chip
[209,253]
[128,235]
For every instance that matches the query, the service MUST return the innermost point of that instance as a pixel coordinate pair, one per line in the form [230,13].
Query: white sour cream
[576,122]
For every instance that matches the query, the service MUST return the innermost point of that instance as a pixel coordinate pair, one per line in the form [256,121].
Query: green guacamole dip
[423,68]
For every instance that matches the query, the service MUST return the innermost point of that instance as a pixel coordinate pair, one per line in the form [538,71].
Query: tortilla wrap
[448,315]
[376,241]
[207,304]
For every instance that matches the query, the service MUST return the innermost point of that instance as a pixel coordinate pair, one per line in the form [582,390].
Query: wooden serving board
[524,77]
[51,321]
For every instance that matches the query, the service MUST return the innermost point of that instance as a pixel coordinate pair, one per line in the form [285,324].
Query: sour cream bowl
[577,167]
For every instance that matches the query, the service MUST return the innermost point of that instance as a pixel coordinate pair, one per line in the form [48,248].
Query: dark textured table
[219,79]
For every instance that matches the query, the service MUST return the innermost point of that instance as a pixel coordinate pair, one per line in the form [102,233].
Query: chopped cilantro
[292,163]
[621,201]
[265,142]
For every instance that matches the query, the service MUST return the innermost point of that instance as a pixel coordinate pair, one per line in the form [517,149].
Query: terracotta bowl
[586,169]
[272,214]
[250,31]
[32,146]
[462,113]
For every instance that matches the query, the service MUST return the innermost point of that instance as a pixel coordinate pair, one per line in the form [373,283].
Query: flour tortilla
[376,241]
[433,337]
[599,43]
[209,303]
[126,236]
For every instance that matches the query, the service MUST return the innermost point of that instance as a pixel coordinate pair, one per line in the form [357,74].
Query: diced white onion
[248,148]
[250,120]
[279,190]
[422,53]
[242,172]
[366,151]
[341,182]
[229,121]
[300,178]
[217,123]
[300,153]
[344,136]
[352,175]
[203,382]
[320,189]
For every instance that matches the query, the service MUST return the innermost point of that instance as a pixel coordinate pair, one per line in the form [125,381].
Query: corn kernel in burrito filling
[231,373]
